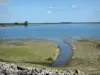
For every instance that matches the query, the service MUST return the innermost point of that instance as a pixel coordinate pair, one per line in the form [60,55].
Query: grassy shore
[86,56]
[37,53]
[30,24]
[10,24]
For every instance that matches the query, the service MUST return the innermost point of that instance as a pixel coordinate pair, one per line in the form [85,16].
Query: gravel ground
[12,69]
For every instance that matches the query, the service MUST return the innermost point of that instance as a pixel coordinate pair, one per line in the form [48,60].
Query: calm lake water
[56,33]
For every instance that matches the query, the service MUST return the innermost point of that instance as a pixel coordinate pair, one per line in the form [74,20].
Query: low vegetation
[29,53]
[86,56]
[14,24]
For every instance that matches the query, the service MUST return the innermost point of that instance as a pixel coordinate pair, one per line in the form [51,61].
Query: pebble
[12,69]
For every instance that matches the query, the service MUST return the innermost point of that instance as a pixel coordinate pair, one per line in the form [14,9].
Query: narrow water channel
[65,54]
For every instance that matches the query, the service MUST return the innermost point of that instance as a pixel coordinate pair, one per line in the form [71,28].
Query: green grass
[7,25]
[27,52]
[86,56]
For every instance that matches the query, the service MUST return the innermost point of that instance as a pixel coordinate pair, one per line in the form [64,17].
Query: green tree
[16,23]
[25,23]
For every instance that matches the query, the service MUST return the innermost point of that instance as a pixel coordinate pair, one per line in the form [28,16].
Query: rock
[12,69]
[2,74]
[78,72]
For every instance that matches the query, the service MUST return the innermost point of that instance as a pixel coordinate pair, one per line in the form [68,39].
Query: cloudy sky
[49,10]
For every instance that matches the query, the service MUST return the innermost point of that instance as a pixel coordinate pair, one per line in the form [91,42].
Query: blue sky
[49,10]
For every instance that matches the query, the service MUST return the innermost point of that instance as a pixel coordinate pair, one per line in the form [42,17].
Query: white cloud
[50,7]
[5,1]
[73,6]
[49,11]
[98,9]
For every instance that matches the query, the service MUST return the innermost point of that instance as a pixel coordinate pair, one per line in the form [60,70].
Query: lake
[54,32]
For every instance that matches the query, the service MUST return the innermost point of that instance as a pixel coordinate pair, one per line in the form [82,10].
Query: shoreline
[46,43]
[41,24]
[56,55]
[57,49]
[85,56]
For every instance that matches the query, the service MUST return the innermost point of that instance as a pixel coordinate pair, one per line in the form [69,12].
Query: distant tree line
[25,23]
